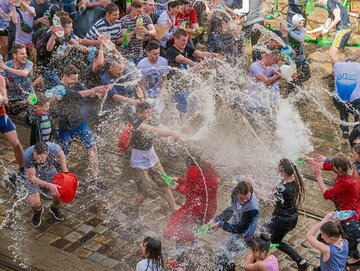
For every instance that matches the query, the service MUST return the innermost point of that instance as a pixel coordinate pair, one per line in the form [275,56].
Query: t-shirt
[186,20]
[135,48]
[147,265]
[22,36]
[16,83]
[163,19]
[39,8]
[173,52]
[153,75]
[88,18]
[5,6]
[284,199]
[347,81]
[344,22]
[47,170]
[102,27]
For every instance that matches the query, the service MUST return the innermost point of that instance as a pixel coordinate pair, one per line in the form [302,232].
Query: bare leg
[34,200]
[334,54]
[93,162]
[13,139]
[169,197]
[4,41]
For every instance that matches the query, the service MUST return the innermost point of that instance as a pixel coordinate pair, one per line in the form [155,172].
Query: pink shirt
[271,263]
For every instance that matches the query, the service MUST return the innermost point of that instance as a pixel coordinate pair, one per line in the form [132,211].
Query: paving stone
[93,245]
[110,263]
[102,239]
[73,246]
[73,223]
[87,237]
[84,228]
[61,243]
[83,253]
[96,257]
[100,229]
[94,222]
[60,229]
[73,236]
[49,238]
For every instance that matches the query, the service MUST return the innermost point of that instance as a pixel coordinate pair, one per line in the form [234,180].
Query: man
[339,19]
[154,69]
[41,161]
[19,72]
[8,130]
[149,9]
[6,10]
[187,19]
[295,7]
[109,26]
[41,19]
[169,17]
[72,116]
[134,51]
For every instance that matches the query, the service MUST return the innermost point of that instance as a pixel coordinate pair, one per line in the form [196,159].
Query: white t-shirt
[347,81]
[163,19]
[146,265]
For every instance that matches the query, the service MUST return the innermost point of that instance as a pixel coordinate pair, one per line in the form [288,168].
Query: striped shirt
[45,127]
[102,27]
[135,48]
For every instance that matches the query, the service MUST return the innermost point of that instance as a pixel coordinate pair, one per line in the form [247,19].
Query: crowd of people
[64,62]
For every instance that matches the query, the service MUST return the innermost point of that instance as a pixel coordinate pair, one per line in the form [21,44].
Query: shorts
[341,38]
[6,125]
[32,188]
[185,103]
[147,177]
[4,33]
[83,132]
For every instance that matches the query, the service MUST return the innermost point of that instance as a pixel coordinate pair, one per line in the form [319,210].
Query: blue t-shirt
[347,81]
[153,74]
[47,170]
[5,6]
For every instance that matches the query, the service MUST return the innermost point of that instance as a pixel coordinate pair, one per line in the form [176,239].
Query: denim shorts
[6,125]
[82,132]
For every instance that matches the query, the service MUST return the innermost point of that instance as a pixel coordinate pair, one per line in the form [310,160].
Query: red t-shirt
[187,19]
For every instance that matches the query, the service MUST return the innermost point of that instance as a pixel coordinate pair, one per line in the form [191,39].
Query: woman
[289,194]
[335,250]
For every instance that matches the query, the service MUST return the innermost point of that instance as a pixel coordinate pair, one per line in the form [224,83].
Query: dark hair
[153,252]
[111,8]
[286,166]
[65,21]
[356,148]
[142,107]
[16,47]
[71,70]
[136,4]
[152,45]
[261,244]
[41,99]
[331,229]
[41,147]
[180,32]
[244,187]
[61,14]
[185,2]
[342,164]
[173,4]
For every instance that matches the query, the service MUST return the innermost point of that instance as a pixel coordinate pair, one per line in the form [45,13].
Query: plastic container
[68,183]
[56,22]
[140,26]
[203,229]
[343,215]
[109,45]
[287,72]
[169,180]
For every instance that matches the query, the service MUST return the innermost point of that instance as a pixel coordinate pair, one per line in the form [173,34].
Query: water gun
[343,215]
[273,246]
[126,36]
[169,180]
[33,98]
[203,229]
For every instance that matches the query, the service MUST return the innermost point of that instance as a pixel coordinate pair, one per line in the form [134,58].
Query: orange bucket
[68,183]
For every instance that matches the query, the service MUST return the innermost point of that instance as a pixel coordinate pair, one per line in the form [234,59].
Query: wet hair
[244,187]
[16,47]
[356,148]
[111,8]
[180,32]
[261,244]
[41,147]
[71,70]
[286,166]
[173,4]
[136,4]
[65,21]
[331,229]
[152,45]
[41,100]
[153,252]
[185,2]
[342,164]
[141,107]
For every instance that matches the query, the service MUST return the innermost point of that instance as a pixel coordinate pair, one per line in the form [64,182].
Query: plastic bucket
[68,183]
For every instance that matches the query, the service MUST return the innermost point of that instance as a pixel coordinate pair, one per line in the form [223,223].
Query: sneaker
[12,180]
[317,268]
[345,134]
[303,267]
[36,220]
[46,193]
[56,213]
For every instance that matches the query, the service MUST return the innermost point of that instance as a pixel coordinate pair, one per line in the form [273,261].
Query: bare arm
[92,91]
[99,63]
[3,91]
[202,54]
[22,73]
[337,18]
[14,17]
[88,42]
[162,131]
[123,99]
[315,166]
[62,161]
[30,9]
[31,174]
[51,42]
[183,60]
[270,80]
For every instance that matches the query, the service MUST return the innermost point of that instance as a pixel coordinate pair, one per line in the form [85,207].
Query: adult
[168,17]
[19,73]
[244,211]
[6,8]
[187,19]
[144,159]
[69,96]
[42,13]
[8,130]
[149,9]
[288,195]
[134,50]
[41,161]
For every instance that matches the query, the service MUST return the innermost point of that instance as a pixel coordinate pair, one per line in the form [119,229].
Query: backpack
[125,137]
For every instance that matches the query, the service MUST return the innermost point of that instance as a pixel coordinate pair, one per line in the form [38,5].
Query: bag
[23,25]
[125,137]
[68,183]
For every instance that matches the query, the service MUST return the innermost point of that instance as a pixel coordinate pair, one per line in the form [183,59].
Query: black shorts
[4,33]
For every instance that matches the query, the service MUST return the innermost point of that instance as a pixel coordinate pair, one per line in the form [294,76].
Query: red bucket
[68,183]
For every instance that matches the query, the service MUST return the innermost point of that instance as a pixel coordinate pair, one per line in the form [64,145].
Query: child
[151,250]
[334,252]
[260,259]
[38,118]
[297,33]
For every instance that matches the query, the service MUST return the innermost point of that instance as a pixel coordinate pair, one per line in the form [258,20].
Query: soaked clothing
[344,22]
[147,265]
[337,260]
[141,140]
[6,125]
[40,126]
[271,263]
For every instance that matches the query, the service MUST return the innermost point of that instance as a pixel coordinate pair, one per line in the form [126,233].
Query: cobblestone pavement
[99,235]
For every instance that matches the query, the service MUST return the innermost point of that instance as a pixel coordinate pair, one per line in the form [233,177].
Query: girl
[151,250]
[289,194]
[260,259]
[334,252]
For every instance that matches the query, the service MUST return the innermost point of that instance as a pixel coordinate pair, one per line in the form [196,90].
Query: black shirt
[173,52]
[344,22]
[284,199]
[141,140]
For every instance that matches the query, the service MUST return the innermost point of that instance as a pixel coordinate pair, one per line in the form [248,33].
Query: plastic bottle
[91,53]
[310,6]
[169,181]
[33,98]
[140,27]
[57,92]
[286,52]
[203,229]
[343,215]
[56,22]
[109,44]
[126,36]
